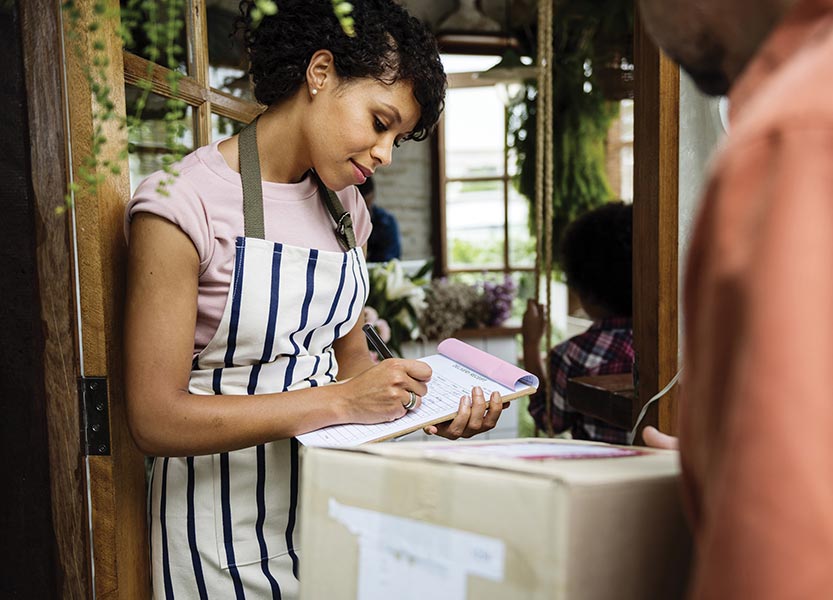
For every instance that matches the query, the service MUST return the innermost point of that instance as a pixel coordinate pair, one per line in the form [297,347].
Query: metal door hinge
[95,416]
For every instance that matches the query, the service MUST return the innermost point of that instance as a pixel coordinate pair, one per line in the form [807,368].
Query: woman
[246,285]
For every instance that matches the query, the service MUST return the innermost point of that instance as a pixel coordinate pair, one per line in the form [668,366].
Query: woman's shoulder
[192,175]
[191,195]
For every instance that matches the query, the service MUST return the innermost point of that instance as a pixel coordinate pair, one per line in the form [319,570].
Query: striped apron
[224,525]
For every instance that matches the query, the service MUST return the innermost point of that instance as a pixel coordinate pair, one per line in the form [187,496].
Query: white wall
[700,132]
[404,188]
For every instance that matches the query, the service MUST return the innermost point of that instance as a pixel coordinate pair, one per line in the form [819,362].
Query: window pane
[512,162]
[148,143]
[626,164]
[474,133]
[223,127]
[521,242]
[227,70]
[150,21]
[474,224]
[626,120]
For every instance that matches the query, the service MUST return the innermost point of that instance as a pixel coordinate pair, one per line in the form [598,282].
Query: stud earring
[314,91]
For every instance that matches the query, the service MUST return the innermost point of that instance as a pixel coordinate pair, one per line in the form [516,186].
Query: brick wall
[404,188]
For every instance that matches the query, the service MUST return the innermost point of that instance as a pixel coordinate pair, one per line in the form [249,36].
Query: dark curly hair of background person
[389,45]
[597,257]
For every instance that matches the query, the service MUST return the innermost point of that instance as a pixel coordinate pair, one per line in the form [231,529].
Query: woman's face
[354,126]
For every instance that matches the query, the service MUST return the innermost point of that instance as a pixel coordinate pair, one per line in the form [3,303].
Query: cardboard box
[492,520]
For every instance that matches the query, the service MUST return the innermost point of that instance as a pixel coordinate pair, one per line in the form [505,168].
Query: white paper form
[449,381]
[408,559]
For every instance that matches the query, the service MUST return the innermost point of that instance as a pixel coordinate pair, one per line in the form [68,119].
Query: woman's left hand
[474,416]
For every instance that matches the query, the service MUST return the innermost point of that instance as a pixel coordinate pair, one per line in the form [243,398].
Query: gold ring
[412,402]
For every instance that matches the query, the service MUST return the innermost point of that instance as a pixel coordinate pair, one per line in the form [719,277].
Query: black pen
[373,337]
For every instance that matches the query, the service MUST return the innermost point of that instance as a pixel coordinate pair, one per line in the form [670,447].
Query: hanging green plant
[161,26]
[586,34]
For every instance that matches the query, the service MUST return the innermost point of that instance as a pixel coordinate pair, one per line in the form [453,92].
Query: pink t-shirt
[206,201]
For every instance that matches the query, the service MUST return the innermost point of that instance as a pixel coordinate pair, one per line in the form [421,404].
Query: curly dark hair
[389,45]
[597,257]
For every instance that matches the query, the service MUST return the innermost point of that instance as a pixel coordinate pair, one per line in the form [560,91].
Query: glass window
[227,69]
[475,224]
[475,133]
[626,150]
[149,143]
[156,32]
[486,219]
[223,127]
[521,240]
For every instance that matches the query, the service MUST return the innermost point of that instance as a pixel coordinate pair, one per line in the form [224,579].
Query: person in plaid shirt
[596,256]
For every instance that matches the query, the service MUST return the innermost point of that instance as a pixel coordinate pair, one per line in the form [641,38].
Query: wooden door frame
[116,480]
[49,429]
[119,515]
[655,227]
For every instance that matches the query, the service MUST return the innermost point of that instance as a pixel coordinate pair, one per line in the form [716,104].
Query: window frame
[492,46]
[193,88]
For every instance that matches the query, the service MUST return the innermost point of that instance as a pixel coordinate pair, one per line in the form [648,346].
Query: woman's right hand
[380,394]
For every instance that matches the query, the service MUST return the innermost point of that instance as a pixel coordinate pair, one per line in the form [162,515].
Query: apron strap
[343,220]
[252,187]
[253,193]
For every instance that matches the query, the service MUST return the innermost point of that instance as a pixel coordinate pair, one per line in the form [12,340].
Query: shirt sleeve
[757,432]
[176,201]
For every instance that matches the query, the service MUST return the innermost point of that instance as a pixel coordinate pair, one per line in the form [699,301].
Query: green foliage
[155,28]
[582,33]
[464,252]
[342,9]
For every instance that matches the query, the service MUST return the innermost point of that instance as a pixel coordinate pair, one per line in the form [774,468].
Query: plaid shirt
[606,348]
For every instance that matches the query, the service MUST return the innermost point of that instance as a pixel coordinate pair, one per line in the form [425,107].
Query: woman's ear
[320,71]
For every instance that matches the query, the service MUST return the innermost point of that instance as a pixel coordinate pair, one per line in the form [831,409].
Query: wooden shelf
[609,398]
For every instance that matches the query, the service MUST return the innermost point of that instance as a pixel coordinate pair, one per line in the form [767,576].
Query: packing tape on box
[406,559]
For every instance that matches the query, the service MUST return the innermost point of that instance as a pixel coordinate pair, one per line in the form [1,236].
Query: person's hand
[532,327]
[474,416]
[654,438]
[380,393]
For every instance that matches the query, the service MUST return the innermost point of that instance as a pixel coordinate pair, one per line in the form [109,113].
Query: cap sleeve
[179,203]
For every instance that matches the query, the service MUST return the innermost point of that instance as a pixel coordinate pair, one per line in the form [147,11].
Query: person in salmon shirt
[756,414]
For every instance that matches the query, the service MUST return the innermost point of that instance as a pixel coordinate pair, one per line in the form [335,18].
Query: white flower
[370,315]
[395,281]
[417,299]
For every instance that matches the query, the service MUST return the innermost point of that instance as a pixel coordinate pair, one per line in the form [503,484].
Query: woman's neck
[281,144]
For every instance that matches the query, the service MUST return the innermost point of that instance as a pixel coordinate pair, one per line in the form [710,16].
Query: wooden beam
[439,240]
[41,30]
[197,33]
[117,481]
[137,69]
[655,226]
[232,107]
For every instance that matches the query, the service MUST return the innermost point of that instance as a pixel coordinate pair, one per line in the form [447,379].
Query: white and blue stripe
[225,525]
